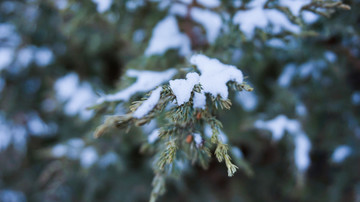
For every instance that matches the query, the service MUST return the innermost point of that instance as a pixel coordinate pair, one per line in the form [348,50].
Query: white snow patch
[110,158]
[60,4]
[330,56]
[148,104]
[199,100]
[88,157]
[211,21]
[209,3]
[59,150]
[355,98]
[182,88]
[66,86]
[287,75]
[302,149]
[11,134]
[153,136]
[294,5]
[247,100]
[178,9]
[166,35]
[309,17]
[77,95]
[6,57]
[222,136]
[146,81]
[300,109]
[341,153]
[215,75]
[237,152]
[8,195]
[83,97]
[197,139]
[276,43]
[257,17]
[38,127]
[102,5]
[43,56]
[278,126]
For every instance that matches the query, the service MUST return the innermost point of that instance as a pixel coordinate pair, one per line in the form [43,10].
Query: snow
[294,5]
[302,150]
[355,98]
[330,56]
[211,21]
[82,98]
[215,75]
[198,139]
[38,127]
[166,35]
[199,100]
[102,5]
[11,134]
[139,35]
[110,158]
[257,17]
[77,95]
[237,152]
[300,109]
[6,57]
[247,100]
[88,157]
[276,43]
[66,86]
[287,75]
[146,81]
[341,153]
[59,150]
[209,3]
[148,104]
[153,136]
[309,17]
[133,5]
[43,56]
[8,195]
[178,9]
[182,88]
[278,126]
[61,4]
[222,136]
[25,56]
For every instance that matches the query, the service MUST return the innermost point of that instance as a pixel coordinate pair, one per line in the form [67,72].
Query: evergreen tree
[162,79]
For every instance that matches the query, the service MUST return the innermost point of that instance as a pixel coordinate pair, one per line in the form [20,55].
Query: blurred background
[298,130]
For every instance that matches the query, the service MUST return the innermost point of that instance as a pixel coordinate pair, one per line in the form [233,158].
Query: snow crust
[166,35]
[146,81]
[278,126]
[148,104]
[341,153]
[210,20]
[182,87]
[215,75]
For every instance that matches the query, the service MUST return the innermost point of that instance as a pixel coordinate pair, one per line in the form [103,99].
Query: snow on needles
[166,35]
[149,104]
[182,88]
[215,75]
[146,81]
[213,79]
[278,126]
